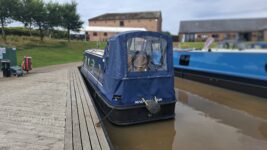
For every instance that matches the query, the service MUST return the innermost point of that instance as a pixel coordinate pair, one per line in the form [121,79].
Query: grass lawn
[196,45]
[49,52]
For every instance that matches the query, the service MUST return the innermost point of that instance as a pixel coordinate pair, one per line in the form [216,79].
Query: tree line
[41,15]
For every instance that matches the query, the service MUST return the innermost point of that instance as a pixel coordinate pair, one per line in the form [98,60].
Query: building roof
[264,27]
[131,15]
[112,29]
[223,25]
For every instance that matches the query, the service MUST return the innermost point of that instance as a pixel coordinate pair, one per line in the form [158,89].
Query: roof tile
[131,15]
[223,25]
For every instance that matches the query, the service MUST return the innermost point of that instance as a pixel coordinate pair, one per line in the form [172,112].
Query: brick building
[150,21]
[254,29]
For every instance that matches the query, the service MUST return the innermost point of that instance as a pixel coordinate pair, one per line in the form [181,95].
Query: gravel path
[32,109]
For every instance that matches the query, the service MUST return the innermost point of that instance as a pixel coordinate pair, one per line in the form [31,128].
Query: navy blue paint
[132,86]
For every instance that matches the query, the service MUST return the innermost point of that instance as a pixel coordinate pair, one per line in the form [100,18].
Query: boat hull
[134,115]
[241,84]
[128,115]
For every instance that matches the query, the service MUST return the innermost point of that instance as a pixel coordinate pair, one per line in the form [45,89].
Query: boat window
[146,54]
[88,62]
[92,64]
[106,55]
[85,60]
[100,73]
[184,60]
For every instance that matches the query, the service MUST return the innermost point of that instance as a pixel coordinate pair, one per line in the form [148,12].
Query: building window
[260,36]
[227,36]
[190,37]
[121,23]
[215,36]
[105,34]
[95,34]
[233,36]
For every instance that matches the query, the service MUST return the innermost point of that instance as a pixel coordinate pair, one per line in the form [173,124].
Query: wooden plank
[68,145]
[77,143]
[99,130]
[86,144]
[91,129]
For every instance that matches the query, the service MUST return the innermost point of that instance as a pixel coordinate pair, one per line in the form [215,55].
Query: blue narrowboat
[132,80]
[244,71]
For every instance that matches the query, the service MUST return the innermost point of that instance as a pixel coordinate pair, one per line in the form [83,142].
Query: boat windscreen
[146,53]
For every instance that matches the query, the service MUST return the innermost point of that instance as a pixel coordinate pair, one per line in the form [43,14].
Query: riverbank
[50,51]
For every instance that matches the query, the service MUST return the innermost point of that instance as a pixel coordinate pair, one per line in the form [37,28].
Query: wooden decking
[82,131]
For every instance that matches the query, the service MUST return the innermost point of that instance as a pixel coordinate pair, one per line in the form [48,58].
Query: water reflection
[244,122]
[195,130]
[158,135]
[253,105]
[207,117]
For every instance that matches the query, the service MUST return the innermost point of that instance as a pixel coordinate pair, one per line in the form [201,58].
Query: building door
[245,36]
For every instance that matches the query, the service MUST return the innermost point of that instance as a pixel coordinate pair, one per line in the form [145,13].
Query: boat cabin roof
[235,50]
[96,52]
[224,50]
[126,57]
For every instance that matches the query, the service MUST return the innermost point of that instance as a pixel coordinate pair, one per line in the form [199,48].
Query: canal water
[207,117]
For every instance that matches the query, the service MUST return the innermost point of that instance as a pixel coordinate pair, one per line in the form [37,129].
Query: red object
[27,64]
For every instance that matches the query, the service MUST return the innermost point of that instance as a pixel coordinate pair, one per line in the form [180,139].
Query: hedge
[21,31]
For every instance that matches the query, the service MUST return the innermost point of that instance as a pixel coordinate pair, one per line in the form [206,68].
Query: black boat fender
[152,105]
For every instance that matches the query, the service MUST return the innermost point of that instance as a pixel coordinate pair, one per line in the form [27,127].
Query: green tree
[39,16]
[70,19]
[54,16]
[25,12]
[7,13]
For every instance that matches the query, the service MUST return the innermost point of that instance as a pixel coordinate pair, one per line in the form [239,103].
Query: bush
[21,31]
[59,34]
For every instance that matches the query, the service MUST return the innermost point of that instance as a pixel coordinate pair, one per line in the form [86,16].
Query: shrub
[21,31]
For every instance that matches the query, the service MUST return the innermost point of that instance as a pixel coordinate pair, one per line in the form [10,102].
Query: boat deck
[82,128]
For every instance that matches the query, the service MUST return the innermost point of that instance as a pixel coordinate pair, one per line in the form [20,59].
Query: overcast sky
[173,11]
